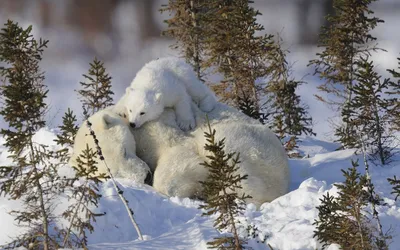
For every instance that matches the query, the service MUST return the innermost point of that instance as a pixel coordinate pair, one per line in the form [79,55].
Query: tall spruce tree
[343,220]
[344,41]
[187,28]
[368,111]
[234,49]
[96,91]
[395,110]
[221,191]
[30,177]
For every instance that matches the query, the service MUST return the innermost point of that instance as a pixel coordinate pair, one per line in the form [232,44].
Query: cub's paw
[208,103]
[186,125]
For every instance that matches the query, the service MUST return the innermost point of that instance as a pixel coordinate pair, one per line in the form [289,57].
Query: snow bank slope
[172,223]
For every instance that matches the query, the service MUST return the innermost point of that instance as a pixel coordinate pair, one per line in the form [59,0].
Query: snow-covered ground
[173,223]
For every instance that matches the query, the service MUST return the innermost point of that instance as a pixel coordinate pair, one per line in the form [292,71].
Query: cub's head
[117,144]
[142,106]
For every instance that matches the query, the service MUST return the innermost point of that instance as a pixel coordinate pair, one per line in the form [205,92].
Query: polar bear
[175,156]
[117,144]
[162,83]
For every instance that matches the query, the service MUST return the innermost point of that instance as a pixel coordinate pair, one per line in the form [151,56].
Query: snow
[174,223]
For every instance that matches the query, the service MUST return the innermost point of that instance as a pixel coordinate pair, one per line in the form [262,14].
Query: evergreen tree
[187,28]
[343,220]
[286,103]
[79,214]
[221,191]
[328,222]
[345,41]
[96,91]
[235,51]
[68,129]
[368,111]
[66,138]
[250,108]
[30,177]
[374,200]
[290,117]
[396,186]
[395,109]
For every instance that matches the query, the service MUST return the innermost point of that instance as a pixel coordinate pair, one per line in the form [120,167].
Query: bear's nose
[132,124]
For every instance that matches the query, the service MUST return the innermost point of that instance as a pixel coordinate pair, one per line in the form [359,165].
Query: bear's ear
[128,90]
[157,97]
[107,121]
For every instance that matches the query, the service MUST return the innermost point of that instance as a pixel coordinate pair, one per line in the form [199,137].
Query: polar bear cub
[166,83]
[117,144]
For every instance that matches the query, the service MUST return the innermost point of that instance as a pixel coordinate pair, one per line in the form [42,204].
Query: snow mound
[173,223]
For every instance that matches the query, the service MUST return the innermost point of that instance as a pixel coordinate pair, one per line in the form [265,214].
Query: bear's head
[142,106]
[117,144]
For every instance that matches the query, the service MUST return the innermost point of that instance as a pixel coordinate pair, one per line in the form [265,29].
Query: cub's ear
[157,97]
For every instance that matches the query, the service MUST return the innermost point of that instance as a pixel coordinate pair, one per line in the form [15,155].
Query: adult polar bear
[166,82]
[175,156]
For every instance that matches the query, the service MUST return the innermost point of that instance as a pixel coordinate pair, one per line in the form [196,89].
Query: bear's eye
[130,110]
[142,113]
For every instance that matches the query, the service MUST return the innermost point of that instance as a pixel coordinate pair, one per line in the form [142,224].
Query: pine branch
[396,186]
[373,199]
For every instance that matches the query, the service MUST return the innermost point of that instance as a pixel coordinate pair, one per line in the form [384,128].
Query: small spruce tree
[395,109]
[221,191]
[30,177]
[368,112]
[79,213]
[96,91]
[67,134]
[285,102]
[328,222]
[343,220]
[344,41]
[289,116]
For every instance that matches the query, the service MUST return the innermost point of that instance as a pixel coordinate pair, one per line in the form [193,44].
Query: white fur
[176,156]
[166,83]
[117,144]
